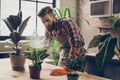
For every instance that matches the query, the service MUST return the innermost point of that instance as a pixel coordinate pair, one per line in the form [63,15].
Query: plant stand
[17,62]
[72,76]
[34,72]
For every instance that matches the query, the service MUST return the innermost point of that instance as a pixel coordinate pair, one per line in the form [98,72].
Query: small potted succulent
[16,27]
[36,55]
[74,64]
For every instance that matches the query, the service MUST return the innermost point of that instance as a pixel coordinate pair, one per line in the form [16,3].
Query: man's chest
[60,36]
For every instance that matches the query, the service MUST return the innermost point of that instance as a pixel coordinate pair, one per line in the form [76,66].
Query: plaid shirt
[70,30]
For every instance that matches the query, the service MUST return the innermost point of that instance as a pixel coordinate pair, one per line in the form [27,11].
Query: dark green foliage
[117,24]
[103,37]
[106,53]
[74,63]
[106,45]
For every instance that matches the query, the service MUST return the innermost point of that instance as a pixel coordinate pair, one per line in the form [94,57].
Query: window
[28,8]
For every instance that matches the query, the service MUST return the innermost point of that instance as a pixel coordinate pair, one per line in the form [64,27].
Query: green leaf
[104,37]
[57,12]
[106,53]
[67,13]
[95,41]
[112,21]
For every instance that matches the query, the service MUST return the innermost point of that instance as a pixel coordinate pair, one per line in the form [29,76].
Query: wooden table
[6,72]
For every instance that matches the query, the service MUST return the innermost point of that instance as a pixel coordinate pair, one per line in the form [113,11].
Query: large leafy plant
[106,45]
[37,56]
[16,27]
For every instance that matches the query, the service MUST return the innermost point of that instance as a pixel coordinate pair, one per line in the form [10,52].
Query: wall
[97,25]
[69,3]
[87,31]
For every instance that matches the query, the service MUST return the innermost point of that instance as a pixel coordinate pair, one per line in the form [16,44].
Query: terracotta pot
[34,72]
[72,76]
[17,62]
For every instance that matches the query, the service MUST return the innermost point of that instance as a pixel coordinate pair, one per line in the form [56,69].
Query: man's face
[48,21]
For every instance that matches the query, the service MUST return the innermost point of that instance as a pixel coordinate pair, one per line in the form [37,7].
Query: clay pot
[17,62]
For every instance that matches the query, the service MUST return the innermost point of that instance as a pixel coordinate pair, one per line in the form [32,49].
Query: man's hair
[44,11]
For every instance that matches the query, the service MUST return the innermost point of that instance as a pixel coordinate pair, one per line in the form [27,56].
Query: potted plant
[37,56]
[106,50]
[73,65]
[16,27]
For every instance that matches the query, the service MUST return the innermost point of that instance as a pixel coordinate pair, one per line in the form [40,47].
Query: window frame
[53,3]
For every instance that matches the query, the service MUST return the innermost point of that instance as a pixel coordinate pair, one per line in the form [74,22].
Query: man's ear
[52,14]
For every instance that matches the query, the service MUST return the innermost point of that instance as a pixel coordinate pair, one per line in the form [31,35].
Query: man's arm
[47,39]
[75,38]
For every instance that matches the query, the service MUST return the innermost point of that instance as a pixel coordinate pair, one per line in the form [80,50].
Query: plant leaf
[106,52]
[95,41]
[8,24]
[67,13]
[23,25]
[112,21]
[14,21]
[104,37]
[20,14]
[57,12]
[15,37]
[117,23]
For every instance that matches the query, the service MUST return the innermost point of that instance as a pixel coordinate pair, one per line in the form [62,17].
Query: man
[65,31]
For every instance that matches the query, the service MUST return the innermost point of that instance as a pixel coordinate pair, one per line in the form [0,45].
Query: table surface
[6,72]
